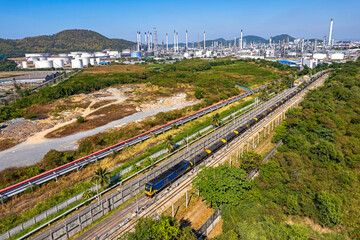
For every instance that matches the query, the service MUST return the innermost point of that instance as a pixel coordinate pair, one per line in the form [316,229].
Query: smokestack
[177,41]
[148,37]
[324,42]
[167,43]
[241,40]
[315,45]
[330,34]
[174,41]
[204,41]
[155,40]
[186,42]
[137,41]
[151,41]
[145,38]
[234,42]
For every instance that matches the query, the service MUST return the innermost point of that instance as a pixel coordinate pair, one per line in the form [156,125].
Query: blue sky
[121,19]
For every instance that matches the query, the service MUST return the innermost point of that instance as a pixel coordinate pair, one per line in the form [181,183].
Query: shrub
[80,119]
[329,207]
[199,93]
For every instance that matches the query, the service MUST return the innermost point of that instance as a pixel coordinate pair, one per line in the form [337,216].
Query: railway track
[79,163]
[120,219]
[186,180]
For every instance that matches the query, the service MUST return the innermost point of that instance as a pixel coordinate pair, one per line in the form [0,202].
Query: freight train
[164,179]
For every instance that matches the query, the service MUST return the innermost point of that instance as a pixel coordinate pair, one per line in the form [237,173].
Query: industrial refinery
[291,51]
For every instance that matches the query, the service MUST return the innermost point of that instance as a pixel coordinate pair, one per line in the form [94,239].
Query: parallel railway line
[79,163]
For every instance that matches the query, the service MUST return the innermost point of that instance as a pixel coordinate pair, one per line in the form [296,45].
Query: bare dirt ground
[115,69]
[11,74]
[97,108]
[198,214]
[309,222]
[217,230]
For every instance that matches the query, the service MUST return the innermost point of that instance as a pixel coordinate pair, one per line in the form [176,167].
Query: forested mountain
[282,37]
[65,41]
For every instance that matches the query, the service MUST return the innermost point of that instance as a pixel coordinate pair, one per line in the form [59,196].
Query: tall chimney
[204,42]
[330,34]
[241,40]
[167,43]
[324,42]
[151,41]
[174,41]
[177,41]
[186,42]
[155,40]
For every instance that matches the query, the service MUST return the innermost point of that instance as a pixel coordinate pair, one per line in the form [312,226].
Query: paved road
[25,154]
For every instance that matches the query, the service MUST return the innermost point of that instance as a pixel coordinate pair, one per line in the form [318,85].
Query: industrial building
[293,52]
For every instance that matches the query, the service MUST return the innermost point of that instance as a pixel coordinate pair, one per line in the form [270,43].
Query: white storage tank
[58,63]
[25,64]
[85,61]
[337,56]
[42,58]
[43,64]
[92,61]
[100,54]
[320,56]
[63,55]
[98,60]
[76,63]
[85,55]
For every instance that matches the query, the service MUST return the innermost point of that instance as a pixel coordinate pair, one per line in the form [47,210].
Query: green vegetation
[102,177]
[216,120]
[14,220]
[80,119]
[54,158]
[315,175]
[169,143]
[7,65]
[165,228]
[212,81]
[65,41]
[250,161]
[222,185]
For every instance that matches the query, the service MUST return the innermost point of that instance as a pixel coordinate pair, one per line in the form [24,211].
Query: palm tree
[101,176]
[216,121]
[88,194]
[169,142]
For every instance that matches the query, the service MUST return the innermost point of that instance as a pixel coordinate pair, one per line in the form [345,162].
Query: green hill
[282,37]
[65,41]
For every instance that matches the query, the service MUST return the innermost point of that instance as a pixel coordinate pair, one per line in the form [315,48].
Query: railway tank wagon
[165,178]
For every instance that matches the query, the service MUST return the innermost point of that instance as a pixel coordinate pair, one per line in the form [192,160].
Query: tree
[250,161]
[199,93]
[329,208]
[222,185]
[216,120]
[101,176]
[165,228]
[169,142]
[88,194]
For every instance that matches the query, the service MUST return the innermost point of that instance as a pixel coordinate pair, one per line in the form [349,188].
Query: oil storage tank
[85,61]
[43,64]
[25,64]
[92,61]
[58,63]
[76,63]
